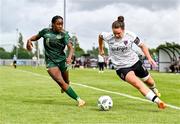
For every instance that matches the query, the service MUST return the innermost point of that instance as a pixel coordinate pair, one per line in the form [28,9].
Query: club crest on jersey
[58,36]
[125,42]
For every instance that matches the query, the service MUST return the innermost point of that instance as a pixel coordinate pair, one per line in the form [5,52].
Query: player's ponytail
[121,19]
[119,23]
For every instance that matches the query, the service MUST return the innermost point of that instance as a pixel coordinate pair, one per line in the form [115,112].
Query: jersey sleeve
[135,39]
[67,38]
[42,32]
[106,36]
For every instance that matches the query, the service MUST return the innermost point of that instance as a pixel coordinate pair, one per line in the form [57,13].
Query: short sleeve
[135,39]
[106,36]
[67,38]
[42,32]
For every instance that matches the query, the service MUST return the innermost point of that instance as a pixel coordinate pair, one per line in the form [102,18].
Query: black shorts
[14,62]
[138,68]
[101,64]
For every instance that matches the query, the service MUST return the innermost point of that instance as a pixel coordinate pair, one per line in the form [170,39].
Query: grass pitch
[29,96]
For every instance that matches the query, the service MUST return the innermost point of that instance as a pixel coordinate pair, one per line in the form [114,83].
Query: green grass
[28,98]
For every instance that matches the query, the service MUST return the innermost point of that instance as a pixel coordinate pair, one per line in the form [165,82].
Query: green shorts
[61,65]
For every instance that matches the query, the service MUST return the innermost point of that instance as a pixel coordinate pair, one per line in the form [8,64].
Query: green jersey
[54,44]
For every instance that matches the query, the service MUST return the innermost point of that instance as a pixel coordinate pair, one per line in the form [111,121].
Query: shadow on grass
[143,107]
[47,101]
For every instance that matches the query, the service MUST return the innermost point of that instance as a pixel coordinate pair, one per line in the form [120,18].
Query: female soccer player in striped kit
[129,67]
[55,40]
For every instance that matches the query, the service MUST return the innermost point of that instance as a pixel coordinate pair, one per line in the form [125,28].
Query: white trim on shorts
[145,78]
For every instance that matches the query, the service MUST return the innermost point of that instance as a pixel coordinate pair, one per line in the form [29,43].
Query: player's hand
[68,60]
[29,45]
[152,62]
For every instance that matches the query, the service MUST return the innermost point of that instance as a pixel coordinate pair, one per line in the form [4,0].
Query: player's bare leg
[151,84]
[65,76]
[56,74]
[137,83]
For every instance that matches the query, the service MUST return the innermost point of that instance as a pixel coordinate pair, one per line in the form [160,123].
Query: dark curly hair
[55,18]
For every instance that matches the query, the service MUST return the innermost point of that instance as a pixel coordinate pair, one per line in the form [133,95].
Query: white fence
[23,62]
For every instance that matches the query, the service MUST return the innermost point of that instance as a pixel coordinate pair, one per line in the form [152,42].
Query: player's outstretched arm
[71,50]
[29,44]
[145,50]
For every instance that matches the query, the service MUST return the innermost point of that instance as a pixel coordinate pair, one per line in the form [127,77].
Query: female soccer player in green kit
[55,40]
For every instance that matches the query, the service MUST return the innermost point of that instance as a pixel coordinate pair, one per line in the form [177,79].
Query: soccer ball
[105,103]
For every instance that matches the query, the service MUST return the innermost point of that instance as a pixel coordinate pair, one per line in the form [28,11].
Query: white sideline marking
[122,94]
[107,91]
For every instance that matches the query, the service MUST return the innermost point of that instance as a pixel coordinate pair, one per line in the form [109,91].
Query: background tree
[20,51]
[2,49]
[4,54]
[20,41]
[170,48]
[78,51]
[95,51]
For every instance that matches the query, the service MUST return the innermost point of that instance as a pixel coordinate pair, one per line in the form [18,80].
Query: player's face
[118,32]
[58,25]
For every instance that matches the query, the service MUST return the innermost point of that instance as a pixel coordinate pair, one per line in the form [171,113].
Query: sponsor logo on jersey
[47,35]
[120,48]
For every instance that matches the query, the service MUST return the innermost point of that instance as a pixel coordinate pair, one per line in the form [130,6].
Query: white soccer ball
[105,103]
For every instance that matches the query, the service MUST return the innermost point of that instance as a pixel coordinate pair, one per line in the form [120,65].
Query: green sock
[72,93]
